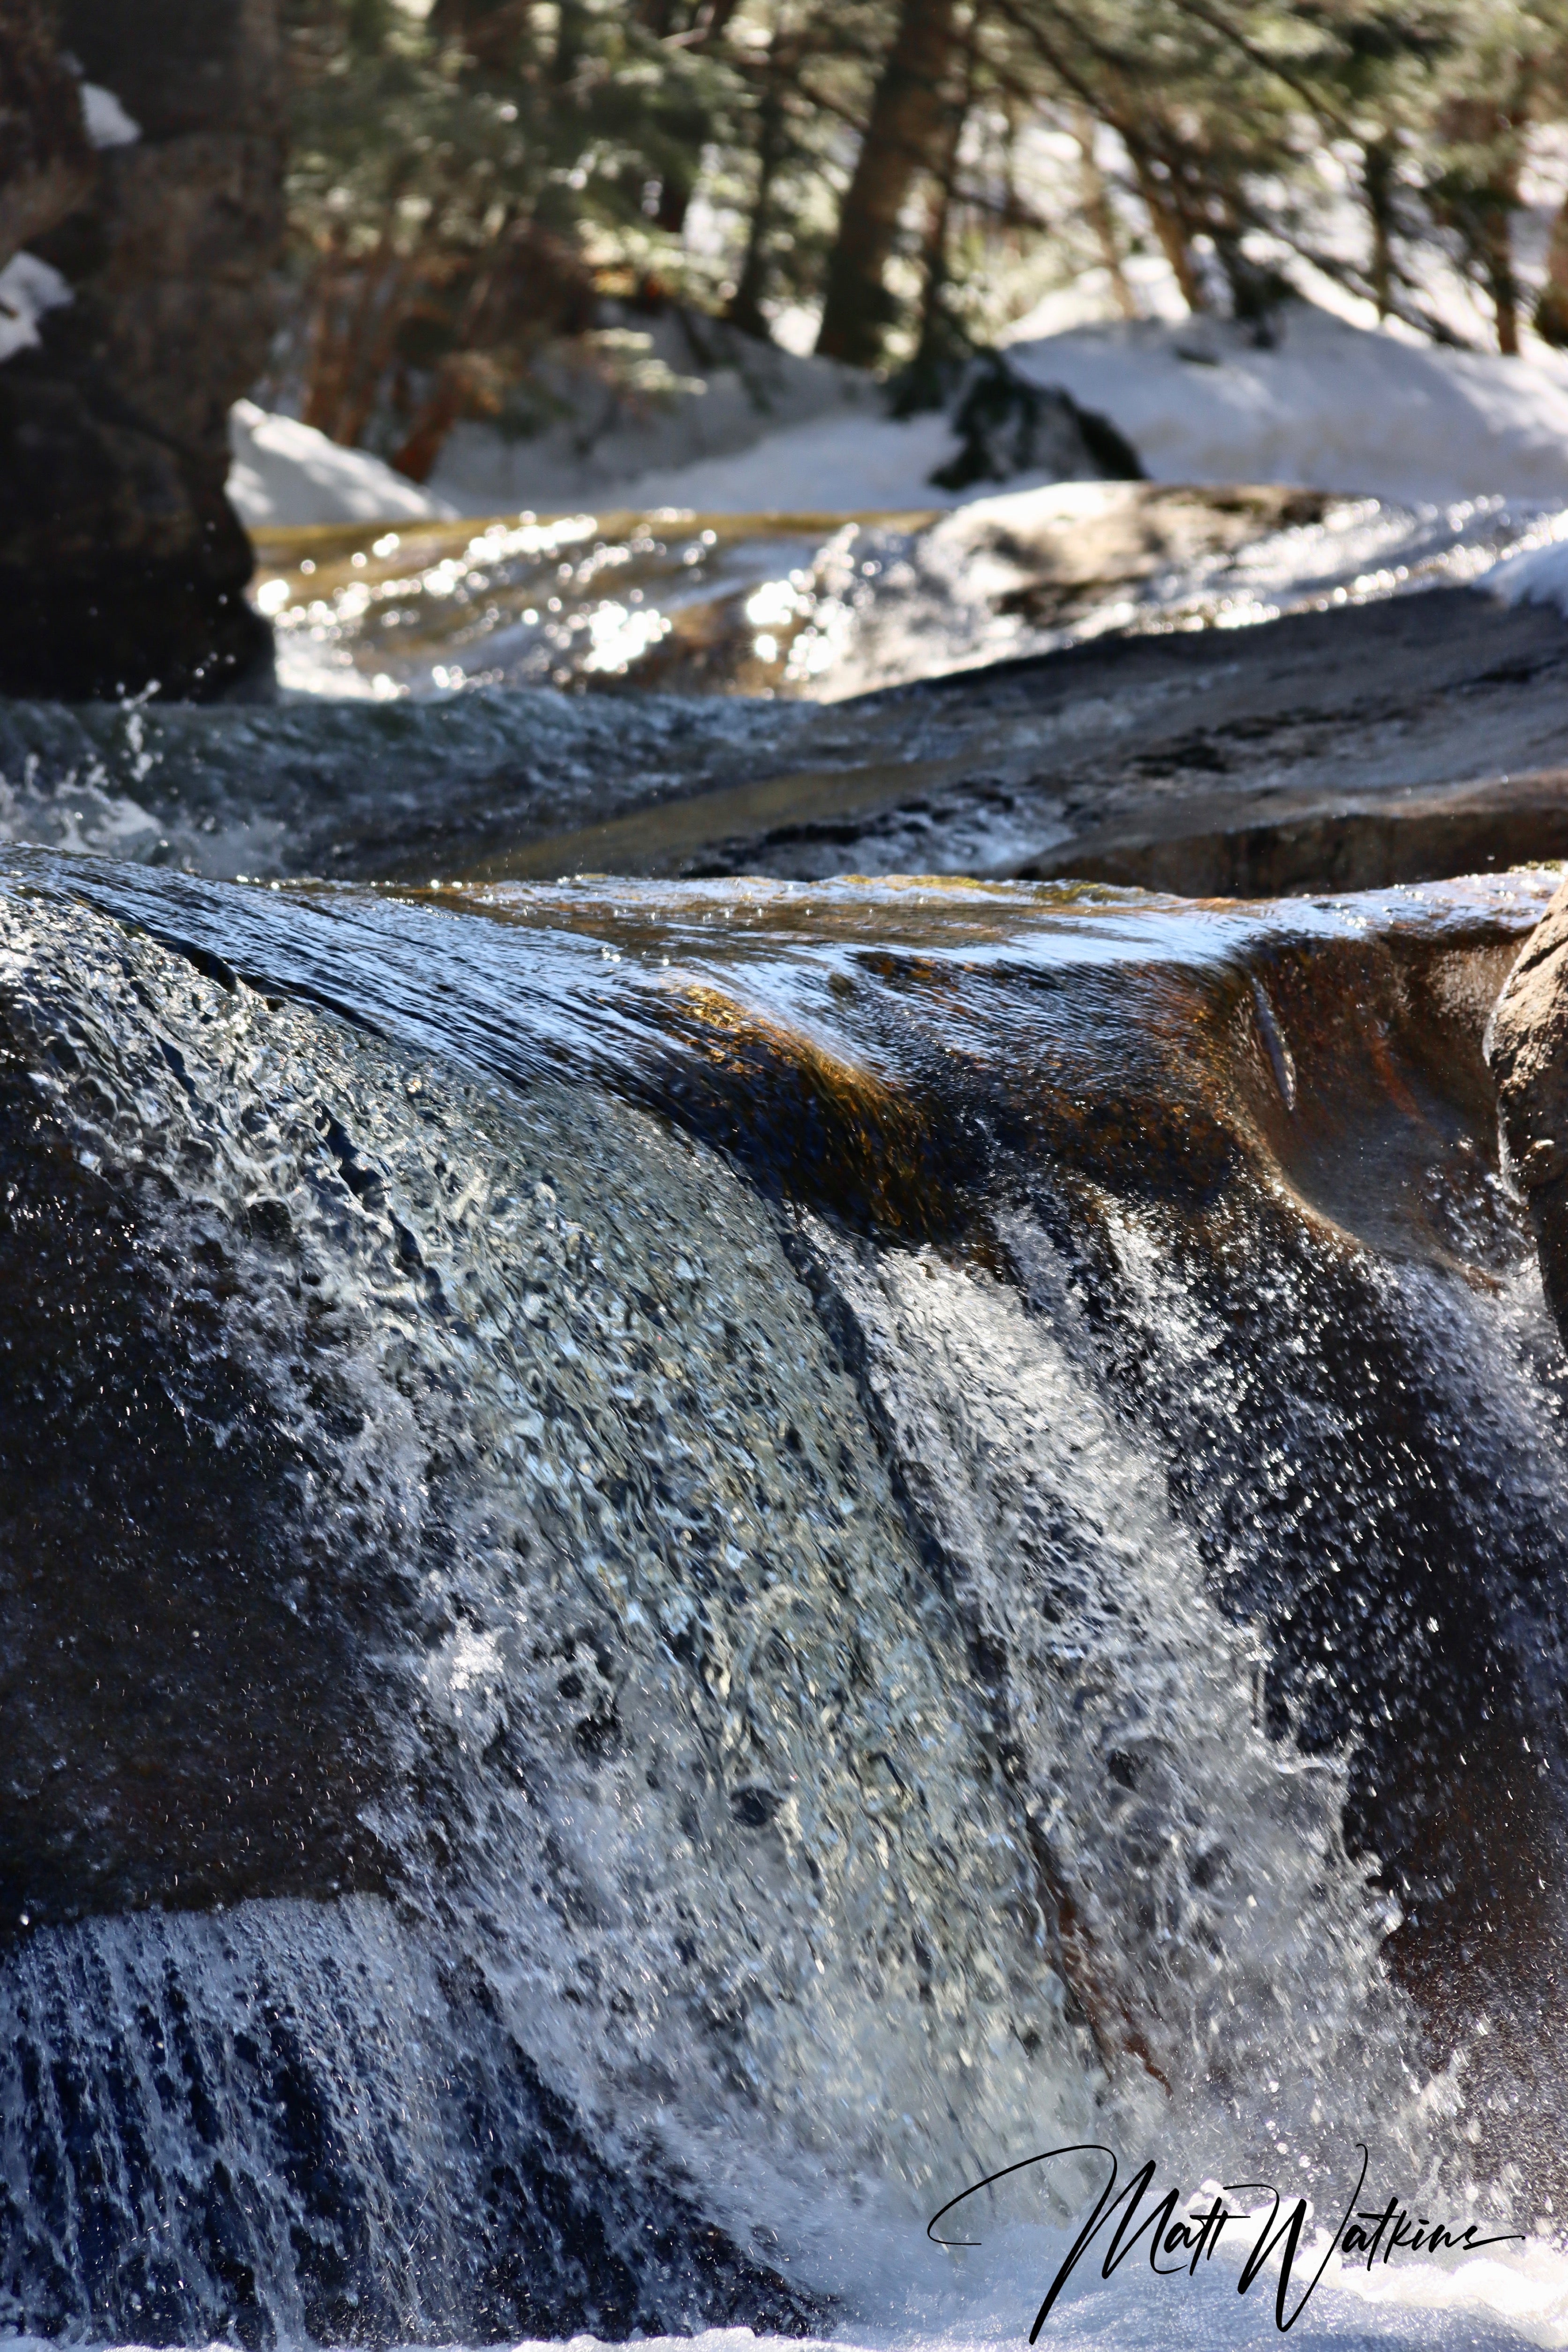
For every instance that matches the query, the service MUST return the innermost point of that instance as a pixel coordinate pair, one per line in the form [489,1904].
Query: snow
[108,124]
[1333,406]
[1330,406]
[29,287]
[835,465]
[285,473]
[645,397]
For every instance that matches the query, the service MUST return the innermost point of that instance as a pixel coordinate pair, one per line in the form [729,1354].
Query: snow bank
[286,473]
[836,464]
[1332,406]
[681,391]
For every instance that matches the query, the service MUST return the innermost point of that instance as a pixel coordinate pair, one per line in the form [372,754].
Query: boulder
[1007,425]
[1527,1046]
[122,567]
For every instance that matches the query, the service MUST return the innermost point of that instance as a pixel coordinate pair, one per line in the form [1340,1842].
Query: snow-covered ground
[834,464]
[1330,405]
[644,395]
[285,473]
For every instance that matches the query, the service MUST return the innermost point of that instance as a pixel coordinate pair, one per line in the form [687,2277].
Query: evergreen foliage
[472,181]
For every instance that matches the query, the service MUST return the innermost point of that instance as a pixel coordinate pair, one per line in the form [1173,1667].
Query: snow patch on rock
[108,124]
[284,473]
[29,287]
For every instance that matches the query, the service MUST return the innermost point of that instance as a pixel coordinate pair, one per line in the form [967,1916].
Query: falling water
[689,1562]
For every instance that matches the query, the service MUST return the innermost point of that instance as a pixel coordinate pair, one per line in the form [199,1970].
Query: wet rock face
[121,563]
[1528,1048]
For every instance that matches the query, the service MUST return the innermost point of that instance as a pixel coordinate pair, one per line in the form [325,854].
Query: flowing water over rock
[1361,745]
[827,606]
[683,1560]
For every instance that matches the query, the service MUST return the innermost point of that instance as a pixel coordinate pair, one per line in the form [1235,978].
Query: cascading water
[683,1564]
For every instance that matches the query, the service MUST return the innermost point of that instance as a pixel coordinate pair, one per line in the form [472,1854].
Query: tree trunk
[1098,213]
[1552,308]
[356,314]
[928,381]
[745,306]
[569,37]
[1169,226]
[1480,195]
[46,166]
[712,20]
[1377,180]
[905,125]
[1502,284]
[934,271]
[675,194]
[323,358]
[495,33]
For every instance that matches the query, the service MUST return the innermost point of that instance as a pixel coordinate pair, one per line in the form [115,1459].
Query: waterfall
[680,1561]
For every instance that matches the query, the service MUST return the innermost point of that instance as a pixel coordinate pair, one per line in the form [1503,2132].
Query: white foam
[1537,575]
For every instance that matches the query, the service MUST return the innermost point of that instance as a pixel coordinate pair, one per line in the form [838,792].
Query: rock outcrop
[122,567]
[46,157]
[1527,1046]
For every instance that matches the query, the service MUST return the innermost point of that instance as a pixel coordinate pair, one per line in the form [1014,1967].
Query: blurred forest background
[477,188]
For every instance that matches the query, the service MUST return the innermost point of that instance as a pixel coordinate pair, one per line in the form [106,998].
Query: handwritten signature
[1181,2238]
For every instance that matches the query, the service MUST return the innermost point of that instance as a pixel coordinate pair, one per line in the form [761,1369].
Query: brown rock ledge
[1527,1046]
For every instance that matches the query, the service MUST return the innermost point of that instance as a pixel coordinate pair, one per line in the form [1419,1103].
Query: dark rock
[45,162]
[123,568]
[1008,426]
[1527,1046]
